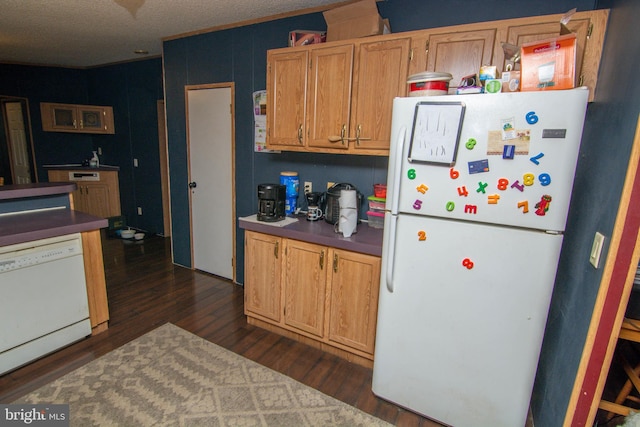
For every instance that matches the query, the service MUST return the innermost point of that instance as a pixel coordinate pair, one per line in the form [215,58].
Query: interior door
[211,178]
[18,143]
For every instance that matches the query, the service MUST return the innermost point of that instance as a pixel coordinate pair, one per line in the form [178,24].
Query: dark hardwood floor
[146,289]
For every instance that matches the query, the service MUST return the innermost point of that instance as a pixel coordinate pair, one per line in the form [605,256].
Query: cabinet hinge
[410,54]
[426,47]
[581,80]
[589,30]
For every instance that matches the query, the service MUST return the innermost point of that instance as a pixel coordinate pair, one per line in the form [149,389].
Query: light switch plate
[596,249]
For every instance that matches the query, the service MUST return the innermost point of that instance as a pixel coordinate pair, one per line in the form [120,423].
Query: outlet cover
[308,187]
[596,249]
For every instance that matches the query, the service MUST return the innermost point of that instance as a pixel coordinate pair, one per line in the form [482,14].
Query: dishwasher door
[43,299]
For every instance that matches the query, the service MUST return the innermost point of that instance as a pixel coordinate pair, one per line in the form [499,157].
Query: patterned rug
[170,377]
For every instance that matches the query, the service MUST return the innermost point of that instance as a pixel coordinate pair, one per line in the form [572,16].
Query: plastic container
[291,181]
[376,219]
[376,203]
[380,190]
[429,83]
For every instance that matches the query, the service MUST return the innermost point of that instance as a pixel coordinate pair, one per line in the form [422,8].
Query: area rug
[170,377]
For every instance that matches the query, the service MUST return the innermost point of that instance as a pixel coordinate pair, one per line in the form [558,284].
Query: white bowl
[127,234]
[138,236]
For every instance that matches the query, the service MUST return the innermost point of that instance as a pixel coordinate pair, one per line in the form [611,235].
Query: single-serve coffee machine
[271,199]
[314,202]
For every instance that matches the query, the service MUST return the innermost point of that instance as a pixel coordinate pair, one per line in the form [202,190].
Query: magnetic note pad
[436,132]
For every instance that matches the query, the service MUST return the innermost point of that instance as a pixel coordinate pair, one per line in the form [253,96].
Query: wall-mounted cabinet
[323,296]
[76,118]
[337,97]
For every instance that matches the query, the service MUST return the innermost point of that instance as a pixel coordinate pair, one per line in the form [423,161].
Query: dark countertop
[78,166]
[21,191]
[366,240]
[30,221]
[28,226]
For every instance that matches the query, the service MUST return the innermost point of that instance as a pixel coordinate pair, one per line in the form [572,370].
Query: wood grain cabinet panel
[305,279]
[77,118]
[353,299]
[263,267]
[100,198]
[329,97]
[286,105]
[323,296]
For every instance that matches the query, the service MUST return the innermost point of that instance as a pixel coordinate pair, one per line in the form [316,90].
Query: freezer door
[514,163]
[461,317]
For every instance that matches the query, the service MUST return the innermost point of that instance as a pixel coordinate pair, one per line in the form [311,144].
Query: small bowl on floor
[127,234]
[138,236]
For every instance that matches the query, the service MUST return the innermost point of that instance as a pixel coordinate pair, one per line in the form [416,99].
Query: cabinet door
[262,269]
[353,299]
[305,286]
[95,198]
[381,75]
[286,102]
[93,119]
[460,53]
[329,101]
[59,117]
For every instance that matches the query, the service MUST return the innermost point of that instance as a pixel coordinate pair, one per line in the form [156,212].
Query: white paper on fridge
[436,132]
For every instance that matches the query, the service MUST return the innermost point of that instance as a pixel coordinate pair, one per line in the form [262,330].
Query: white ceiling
[83,33]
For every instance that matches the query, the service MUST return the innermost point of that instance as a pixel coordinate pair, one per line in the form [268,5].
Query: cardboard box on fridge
[354,20]
[550,63]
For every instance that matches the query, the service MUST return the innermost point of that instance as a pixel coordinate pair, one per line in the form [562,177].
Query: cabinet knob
[193,184]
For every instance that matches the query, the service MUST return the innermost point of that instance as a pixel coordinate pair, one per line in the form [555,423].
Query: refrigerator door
[461,318]
[514,163]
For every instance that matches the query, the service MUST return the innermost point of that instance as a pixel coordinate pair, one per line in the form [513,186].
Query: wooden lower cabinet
[319,295]
[100,197]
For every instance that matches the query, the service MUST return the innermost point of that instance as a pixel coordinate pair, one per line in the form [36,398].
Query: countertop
[31,222]
[27,226]
[366,240]
[22,191]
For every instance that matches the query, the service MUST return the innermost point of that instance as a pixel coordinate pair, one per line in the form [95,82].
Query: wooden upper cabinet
[349,86]
[329,96]
[286,102]
[460,53]
[380,75]
[76,118]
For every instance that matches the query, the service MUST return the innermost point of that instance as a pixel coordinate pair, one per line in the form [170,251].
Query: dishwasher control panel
[38,252]
[84,176]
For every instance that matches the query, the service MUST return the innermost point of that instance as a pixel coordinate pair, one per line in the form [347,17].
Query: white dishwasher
[43,299]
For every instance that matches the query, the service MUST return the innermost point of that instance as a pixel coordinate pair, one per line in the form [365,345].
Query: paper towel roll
[348,221]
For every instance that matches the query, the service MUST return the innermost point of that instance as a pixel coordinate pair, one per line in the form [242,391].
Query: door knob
[193,184]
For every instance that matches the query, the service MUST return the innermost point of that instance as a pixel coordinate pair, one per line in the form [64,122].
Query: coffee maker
[314,208]
[271,198]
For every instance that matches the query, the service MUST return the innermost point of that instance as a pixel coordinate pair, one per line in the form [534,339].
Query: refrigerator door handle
[393,223]
[399,153]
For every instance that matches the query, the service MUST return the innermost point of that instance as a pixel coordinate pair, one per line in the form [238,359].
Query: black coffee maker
[271,198]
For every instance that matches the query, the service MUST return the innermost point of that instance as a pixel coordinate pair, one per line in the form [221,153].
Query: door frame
[231,86]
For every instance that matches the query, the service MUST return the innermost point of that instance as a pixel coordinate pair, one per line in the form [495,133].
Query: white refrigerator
[478,191]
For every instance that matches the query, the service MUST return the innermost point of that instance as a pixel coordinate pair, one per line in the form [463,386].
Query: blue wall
[132,89]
